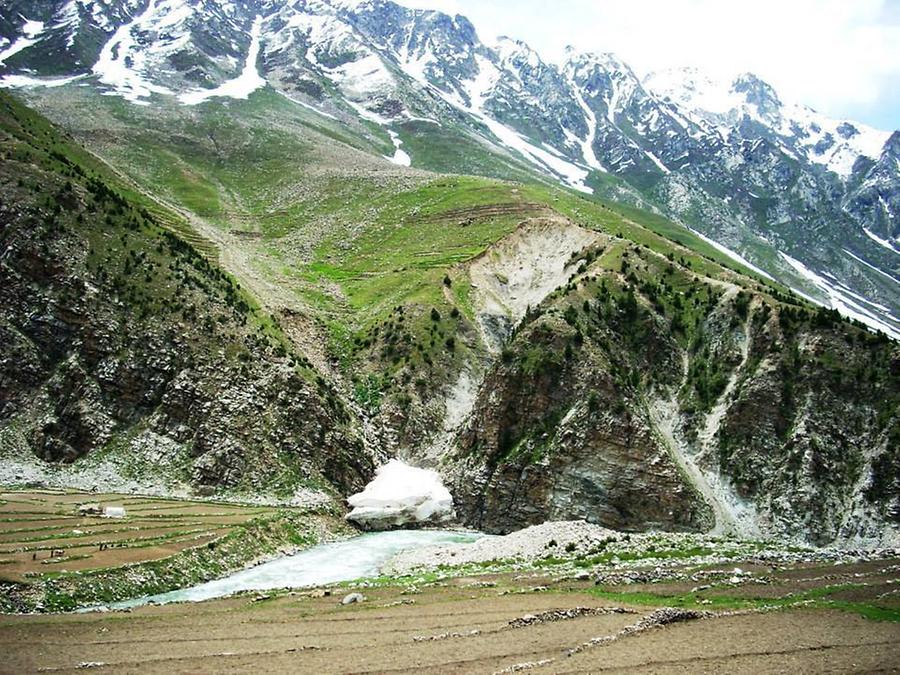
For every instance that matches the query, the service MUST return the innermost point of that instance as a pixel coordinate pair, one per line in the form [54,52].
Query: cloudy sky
[842,57]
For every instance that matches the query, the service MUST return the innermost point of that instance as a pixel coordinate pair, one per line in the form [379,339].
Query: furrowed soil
[500,623]
[34,525]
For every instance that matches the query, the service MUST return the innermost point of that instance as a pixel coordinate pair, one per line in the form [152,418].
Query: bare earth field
[501,623]
[462,625]
[751,614]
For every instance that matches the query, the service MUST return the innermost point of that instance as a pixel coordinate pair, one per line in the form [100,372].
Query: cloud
[840,56]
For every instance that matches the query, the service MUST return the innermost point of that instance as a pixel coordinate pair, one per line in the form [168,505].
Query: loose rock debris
[564,615]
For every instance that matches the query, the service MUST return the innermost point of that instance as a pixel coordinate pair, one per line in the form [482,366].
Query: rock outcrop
[631,403]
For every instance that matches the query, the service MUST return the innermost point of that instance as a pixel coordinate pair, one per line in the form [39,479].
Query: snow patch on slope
[841,298]
[570,173]
[365,77]
[401,494]
[400,158]
[587,145]
[477,89]
[737,257]
[31,31]
[307,106]
[662,167]
[887,243]
[23,81]
[122,61]
[874,269]
[243,85]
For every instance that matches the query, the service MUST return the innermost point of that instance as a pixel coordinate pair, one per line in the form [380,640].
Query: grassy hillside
[123,341]
[316,224]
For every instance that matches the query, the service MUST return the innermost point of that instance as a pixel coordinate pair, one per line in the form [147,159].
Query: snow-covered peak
[608,62]
[516,52]
[835,144]
[692,89]
[604,79]
[892,146]
[353,5]
[725,103]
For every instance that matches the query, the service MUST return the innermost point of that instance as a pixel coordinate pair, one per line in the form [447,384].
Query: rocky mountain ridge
[765,178]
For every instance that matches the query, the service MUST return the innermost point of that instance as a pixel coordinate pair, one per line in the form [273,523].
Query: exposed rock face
[875,200]
[521,270]
[556,438]
[812,430]
[114,330]
[624,403]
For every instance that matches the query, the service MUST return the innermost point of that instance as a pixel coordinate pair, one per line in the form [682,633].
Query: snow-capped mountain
[774,182]
[835,144]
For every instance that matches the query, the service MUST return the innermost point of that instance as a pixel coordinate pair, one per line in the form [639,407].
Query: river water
[346,560]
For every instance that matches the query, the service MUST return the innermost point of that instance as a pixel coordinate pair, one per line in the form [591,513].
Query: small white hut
[113,511]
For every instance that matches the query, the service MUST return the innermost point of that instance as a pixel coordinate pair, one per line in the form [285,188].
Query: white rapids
[354,558]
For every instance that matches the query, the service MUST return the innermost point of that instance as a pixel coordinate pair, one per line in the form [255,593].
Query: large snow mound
[399,495]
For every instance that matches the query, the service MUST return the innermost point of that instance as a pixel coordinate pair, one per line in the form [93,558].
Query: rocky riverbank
[584,549]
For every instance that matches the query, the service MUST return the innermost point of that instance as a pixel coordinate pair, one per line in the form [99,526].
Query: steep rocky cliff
[645,394]
[118,338]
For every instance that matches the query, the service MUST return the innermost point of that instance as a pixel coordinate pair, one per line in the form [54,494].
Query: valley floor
[490,623]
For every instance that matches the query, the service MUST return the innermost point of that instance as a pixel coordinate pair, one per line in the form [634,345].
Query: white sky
[842,57]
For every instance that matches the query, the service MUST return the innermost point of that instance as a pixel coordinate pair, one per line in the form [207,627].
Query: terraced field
[35,525]
[48,552]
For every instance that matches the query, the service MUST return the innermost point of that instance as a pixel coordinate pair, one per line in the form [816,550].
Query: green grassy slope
[316,211]
[119,334]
